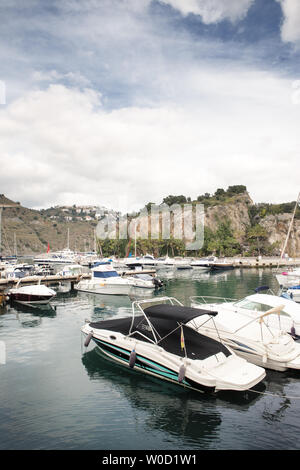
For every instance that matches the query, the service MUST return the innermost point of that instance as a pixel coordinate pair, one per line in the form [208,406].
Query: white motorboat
[38,294]
[251,337]
[255,304]
[106,280]
[157,340]
[18,271]
[145,281]
[65,256]
[71,270]
[205,264]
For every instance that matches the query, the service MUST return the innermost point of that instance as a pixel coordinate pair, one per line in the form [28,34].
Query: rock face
[277,227]
[236,212]
[32,230]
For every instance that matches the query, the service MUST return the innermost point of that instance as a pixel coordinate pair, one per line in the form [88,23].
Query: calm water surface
[56,394]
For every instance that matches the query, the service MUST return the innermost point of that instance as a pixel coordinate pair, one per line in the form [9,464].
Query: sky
[123,102]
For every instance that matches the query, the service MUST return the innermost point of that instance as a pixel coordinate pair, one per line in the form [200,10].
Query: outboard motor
[158,283]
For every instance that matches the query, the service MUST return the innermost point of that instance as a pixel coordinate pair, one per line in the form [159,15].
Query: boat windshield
[256,306]
[105,274]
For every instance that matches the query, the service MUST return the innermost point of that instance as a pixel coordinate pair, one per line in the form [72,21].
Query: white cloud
[290,29]
[213,11]
[239,127]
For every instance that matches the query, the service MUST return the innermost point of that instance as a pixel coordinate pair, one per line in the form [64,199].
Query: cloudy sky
[123,102]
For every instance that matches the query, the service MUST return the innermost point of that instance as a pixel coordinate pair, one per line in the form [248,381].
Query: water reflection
[32,316]
[181,413]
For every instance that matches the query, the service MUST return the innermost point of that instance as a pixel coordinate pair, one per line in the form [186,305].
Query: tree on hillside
[170,200]
[258,234]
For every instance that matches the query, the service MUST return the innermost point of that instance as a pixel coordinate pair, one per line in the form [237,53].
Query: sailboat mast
[290,227]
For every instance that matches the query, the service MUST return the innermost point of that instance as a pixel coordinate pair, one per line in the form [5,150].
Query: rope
[273,394]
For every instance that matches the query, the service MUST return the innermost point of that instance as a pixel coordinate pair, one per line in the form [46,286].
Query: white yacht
[158,341]
[106,280]
[251,337]
[65,256]
[254,305]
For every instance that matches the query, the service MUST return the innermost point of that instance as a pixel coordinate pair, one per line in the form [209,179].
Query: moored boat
[38,294]
[157,340]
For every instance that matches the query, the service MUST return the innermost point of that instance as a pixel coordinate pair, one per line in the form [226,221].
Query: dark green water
[55,394]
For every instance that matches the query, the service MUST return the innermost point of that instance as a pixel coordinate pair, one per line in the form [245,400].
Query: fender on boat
[181,373]
[132,359]
[88,339]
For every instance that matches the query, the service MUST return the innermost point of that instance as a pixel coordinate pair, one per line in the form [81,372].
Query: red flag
[48,249]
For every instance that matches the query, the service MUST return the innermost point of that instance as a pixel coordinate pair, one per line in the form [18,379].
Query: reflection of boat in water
[36,310]
[179,414]
[157,340]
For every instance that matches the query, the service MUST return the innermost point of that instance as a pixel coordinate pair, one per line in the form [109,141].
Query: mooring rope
[274,395]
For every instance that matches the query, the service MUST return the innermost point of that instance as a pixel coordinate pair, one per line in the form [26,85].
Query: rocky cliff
[29,231]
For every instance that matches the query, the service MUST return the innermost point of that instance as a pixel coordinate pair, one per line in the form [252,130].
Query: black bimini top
[176,313]
[166,320]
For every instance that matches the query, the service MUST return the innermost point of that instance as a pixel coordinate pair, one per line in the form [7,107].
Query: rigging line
[289,230]
[274,395]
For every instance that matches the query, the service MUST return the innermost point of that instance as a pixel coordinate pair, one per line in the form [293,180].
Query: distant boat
[106,280]
[222,266]
[32,295]
[59,257]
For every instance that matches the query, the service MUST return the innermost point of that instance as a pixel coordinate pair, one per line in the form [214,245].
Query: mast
[290,228]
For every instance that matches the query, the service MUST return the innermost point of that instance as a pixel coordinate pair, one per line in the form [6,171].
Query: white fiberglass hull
[256,352]
[103,288]
[209,375]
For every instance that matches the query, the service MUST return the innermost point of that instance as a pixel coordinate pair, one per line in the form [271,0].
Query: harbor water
[57,394]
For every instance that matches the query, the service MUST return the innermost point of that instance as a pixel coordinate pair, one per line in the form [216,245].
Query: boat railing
[260,319]
[140,305]
[207,299]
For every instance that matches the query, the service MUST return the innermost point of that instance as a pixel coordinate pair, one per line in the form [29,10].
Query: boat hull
[147,366]
[155,361]
[27,299]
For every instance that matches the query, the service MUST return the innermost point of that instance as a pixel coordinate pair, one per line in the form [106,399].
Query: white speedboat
[65,256]
[71,270]
[254,305]
[105,280]
[38,294]
[145,281]
[157,340]
[251,338]
[205,264]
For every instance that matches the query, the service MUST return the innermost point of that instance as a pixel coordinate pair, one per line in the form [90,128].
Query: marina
[57,393]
